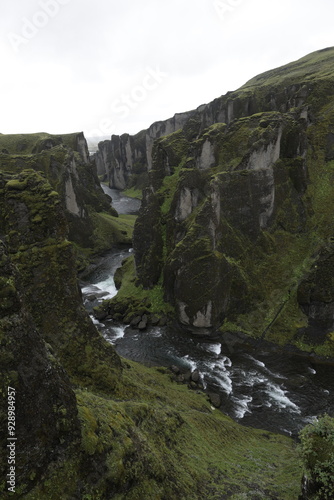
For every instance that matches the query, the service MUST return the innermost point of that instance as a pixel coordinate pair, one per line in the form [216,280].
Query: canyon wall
[236,222]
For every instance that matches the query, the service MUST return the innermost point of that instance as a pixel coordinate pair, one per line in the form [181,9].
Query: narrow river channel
[259,387]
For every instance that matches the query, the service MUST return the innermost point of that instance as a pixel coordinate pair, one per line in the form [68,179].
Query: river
[260,387]
[123,204]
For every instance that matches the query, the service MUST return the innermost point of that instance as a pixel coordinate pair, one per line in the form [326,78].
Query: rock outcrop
[125,160]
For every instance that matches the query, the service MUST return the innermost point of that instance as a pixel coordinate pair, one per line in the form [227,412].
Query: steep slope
[48,344]
[236,225]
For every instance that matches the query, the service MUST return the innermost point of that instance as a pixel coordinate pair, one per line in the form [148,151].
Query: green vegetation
[110,230]
[168,189]
[133,299]
[133,193]
[157,439]
[311,68]
[34,221]
[317,452]
[27,144]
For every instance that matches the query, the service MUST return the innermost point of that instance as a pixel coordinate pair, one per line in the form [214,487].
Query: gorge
[260,386]
[229,261]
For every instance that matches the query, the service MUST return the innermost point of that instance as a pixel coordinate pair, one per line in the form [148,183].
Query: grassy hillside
[314,66]
[32,143]
[154,439]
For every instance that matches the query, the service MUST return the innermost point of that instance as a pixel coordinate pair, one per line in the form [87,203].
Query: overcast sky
[106,66]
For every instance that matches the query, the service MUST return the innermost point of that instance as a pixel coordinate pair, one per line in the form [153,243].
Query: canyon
[234,237]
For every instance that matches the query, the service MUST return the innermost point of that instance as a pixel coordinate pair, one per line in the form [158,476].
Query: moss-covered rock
[34,388]
[317,452]
[133,303]
[35,224]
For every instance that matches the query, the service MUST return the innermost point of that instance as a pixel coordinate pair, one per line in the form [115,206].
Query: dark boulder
[195,376]
[215,399]
[175,369]
[135,321]
[143,323]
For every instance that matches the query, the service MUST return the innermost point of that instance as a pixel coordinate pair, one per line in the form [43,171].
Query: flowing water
[123,204]
[267,389]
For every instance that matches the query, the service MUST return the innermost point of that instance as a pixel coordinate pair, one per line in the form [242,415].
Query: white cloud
[89,53]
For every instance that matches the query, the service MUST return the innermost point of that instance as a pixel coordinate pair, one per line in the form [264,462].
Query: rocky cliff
[236,223]
[125,160]
[35,231]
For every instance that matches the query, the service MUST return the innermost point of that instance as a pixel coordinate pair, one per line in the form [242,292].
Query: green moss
[7,287]
[317,452]
[310,68]
[170,153]
[133,297]
[16,185]
[168,189]
[176,144]
[89,427]
[110,231]
[133,192]
[32,143]
[37,229]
